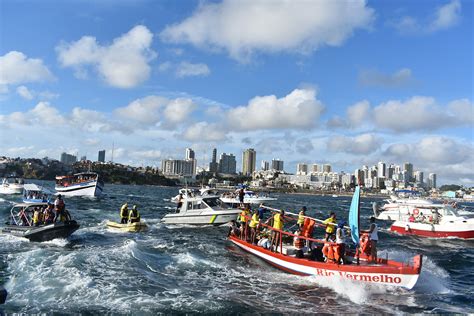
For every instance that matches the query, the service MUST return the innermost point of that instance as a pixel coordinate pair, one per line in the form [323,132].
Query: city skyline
[379,81]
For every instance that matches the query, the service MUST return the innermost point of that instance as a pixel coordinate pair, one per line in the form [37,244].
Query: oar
[294,214]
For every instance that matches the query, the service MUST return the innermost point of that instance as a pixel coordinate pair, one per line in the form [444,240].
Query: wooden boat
[129,227]
[383,272]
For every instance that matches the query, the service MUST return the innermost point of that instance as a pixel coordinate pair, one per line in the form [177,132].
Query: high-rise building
[302,169]
[432,180]
[227,164]
[213,165]
[249,158]
[265,165]
[327,168]
[175,167]
[191,157]
[83,158]
[277,164]
[68,159]
[390,172]
[359,176]
[381,169]
[315,168]
[101,157]
[408,167]
[419,177]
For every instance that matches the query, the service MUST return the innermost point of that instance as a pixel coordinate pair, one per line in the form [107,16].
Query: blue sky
[349,83]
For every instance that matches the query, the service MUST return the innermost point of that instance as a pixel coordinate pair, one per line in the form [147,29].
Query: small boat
[357,268]
[202,210]
[80,184]
[129,227]
[12,185]
[335,195]
[3,295]
[33,193]
[21,224]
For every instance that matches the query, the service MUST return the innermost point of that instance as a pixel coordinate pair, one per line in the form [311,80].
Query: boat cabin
[33,193]
[78,178]
[22,214]
[203,203]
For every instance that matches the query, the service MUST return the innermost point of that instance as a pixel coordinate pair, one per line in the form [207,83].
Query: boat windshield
[215,203]
[449,210]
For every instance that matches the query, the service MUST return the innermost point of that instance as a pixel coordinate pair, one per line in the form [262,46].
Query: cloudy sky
[349,83]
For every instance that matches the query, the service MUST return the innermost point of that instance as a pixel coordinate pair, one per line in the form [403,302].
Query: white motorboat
[33,193]
[12,185]
[437,221]
[250,197]
[80,184]
[201,210]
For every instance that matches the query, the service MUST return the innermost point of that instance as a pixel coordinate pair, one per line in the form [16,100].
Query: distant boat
[33,193]
[80,184]
[12,185]
[335,195]
[201,210]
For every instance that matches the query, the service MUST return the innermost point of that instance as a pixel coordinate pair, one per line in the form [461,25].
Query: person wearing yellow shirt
[301,217]
[254,226]
[278,222]
[331,224]
[244,218]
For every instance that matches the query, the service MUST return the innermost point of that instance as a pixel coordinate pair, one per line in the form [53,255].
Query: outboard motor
[376,209]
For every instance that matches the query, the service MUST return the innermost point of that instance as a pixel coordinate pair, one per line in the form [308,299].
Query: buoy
[3,295]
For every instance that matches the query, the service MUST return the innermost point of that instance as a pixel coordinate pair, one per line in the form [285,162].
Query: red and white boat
[449,225]
[383,272]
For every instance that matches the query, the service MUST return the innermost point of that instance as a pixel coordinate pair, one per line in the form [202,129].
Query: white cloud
[179,109]
[242,28]
[48,95]
[299,109]
[205,132]
[45,114]
[372,77]
[147,154]
[17,68]
[360,145]
[443,17]
[446,16]
[358,113]
[462,110]
[187,69]
[417,113]
[144,110]
[91,141]
[24,92]
[122,64]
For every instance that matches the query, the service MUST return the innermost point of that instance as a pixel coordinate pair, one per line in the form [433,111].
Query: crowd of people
[253,228]
[44,215]
[36,195]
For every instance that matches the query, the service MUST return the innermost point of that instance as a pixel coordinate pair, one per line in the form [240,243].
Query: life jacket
[36,217]
[301,218]
[133,214]
[298,243]
[308,226]
[124,212]
[365,244]
[332,252]
[277,222]
[255,220]
[243,216]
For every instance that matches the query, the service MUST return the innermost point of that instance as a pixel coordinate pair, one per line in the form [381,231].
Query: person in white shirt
[374,237]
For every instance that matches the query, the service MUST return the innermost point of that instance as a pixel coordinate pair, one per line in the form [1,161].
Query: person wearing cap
[124,214]
[341,240]
[330,225]
[134,215]
[59,207]
[301,217]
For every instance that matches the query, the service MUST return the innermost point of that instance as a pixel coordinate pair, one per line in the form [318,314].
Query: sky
[348,83]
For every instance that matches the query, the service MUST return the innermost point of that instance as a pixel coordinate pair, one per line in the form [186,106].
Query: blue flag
[354,216]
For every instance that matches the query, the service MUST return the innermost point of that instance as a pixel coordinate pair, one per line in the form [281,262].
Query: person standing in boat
[330,225]
[374,237]
[244,219]
[254,221]
[124,214]
[341,241]
[134,215]
[301,217]
[59,207]
[37,217]
[278,222]
[241,197]
[180,202]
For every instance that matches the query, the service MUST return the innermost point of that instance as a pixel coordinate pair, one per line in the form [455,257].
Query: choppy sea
[181,270]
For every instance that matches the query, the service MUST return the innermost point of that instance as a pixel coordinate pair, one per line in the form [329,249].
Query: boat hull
[82,189]
[42,233]
[11,189]
[400,276]
[200,219]
[129,227]
[433,231]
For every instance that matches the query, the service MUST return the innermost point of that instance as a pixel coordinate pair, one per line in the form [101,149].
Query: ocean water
[180,270]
